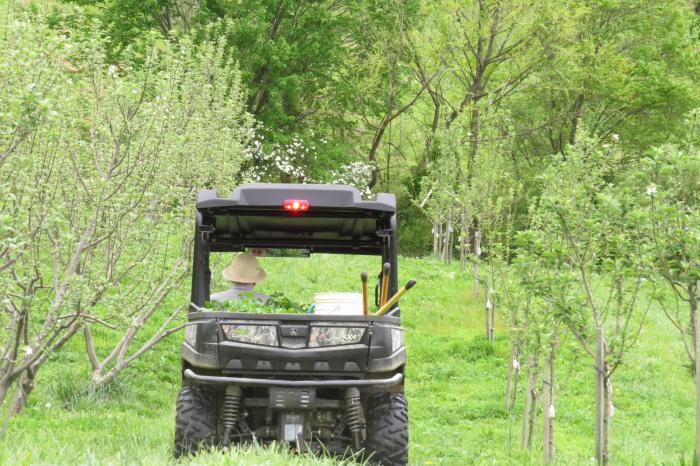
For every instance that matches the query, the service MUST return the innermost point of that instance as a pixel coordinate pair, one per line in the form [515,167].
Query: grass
[455,383]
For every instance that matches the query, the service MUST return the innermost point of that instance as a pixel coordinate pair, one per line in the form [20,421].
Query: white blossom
[651,189]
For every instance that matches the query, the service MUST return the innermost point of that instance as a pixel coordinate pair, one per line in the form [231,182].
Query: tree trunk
[512,380]
[449,235]
[473,135]
[447,238]
[509,381]
[255,100]
[602,401]
[530,411]
[696,302]
[428,153]
[576,112]
[100,377]
[488,316]
[5,393]
[548,406]
[492,322]
[25,388]
[4,390]
[475,271]
[546,424]
[693,294]
[463,234]
[525,436]
[516,378]
[608,412]
[389,116]
[436,238]
[374,148]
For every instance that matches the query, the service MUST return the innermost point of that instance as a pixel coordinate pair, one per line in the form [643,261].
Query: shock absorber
[231,410]
[354,415]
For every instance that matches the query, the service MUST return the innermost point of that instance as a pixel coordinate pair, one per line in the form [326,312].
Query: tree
[97,192]
[489,52]
[671,178]
[624,68]
[590,246]
[383,69]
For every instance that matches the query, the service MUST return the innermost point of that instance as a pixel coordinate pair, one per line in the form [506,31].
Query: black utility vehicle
[269,376]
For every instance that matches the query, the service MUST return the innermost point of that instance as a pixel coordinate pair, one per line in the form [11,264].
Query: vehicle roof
[318,195]
[338,219]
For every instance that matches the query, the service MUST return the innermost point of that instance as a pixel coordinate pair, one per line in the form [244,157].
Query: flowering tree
[357,174]
[672,178]
[672,175]
[285,163]
[99,170]
[589,245]
[292,162]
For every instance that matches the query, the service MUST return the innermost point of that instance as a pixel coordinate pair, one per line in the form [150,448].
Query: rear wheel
[195,420]
[387,429]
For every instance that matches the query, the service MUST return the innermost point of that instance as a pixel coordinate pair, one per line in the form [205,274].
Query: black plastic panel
[274,194]
[293,356]
[291,318]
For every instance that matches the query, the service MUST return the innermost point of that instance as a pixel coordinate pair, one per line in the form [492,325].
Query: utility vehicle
[320,382]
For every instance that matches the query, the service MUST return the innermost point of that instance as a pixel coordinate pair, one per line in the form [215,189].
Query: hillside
[455,382]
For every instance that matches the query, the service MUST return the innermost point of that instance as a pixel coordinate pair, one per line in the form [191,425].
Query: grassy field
[455,383]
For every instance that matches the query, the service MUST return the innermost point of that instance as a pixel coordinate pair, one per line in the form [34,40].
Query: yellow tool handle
[385,284]
[385,308]
[365,294]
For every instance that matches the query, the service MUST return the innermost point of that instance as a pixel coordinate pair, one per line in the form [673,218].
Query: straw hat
[244,269]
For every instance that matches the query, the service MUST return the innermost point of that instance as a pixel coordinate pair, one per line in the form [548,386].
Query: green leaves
[586,253]
[673,207]
[100,165]
[277,304]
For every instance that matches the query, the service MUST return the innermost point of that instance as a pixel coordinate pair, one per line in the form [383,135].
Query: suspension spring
[231,410]
[354,415]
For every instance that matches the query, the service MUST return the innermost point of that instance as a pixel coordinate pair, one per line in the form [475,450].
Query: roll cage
[337,221]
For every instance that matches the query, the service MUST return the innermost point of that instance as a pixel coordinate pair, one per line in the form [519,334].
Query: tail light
[296,206]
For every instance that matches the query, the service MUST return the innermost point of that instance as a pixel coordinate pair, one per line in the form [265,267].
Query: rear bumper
[255,382]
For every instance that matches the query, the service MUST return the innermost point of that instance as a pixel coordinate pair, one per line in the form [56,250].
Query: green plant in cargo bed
[277,304]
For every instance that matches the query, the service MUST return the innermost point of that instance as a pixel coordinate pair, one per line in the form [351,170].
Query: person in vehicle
[243,273]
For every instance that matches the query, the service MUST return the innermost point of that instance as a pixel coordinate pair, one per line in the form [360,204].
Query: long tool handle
[365,294]
[385,284]
[385,308]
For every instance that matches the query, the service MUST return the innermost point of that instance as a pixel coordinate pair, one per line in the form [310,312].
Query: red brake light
[296,206]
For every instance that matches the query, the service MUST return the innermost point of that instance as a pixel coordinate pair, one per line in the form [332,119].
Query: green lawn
[455,383]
